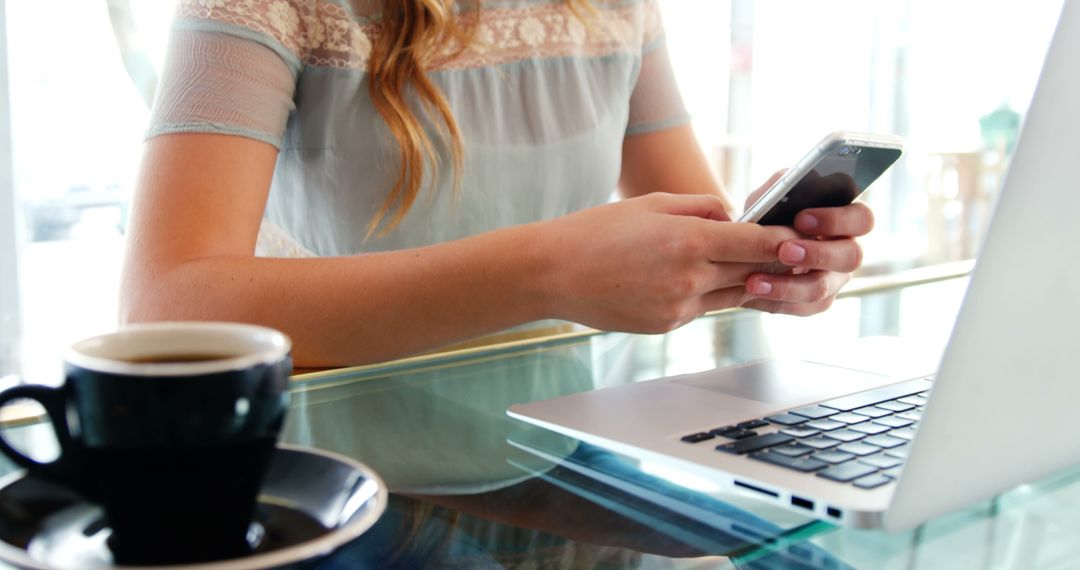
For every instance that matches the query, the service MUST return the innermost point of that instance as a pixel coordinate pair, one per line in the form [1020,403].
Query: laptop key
[752,424]
[697,437]
[858,448]
[914,400]
[893,472]
[845,435]
[786,419]
[833,457]
[738,433]
[872,481]
[869,428]
[792,450]
[913,415]
[894,422]
[871,397]
[804,464]
[756,443]
[824,425]
[903,433]
[800,432]
[845,472]
[895,406]
[899,452]
[881,461]
[819,442]
[848,418]
[720,430]
[885,441]
[813,412]
[872,412]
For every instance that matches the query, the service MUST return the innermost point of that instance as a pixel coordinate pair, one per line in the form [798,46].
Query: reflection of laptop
[830,441]
[673,520]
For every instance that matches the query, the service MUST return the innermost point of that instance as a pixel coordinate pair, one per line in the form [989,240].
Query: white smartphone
[832,174]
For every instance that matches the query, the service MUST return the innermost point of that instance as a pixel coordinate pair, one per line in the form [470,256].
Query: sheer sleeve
[220,83]
[655,103]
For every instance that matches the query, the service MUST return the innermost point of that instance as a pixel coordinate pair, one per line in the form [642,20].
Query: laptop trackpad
[777,381]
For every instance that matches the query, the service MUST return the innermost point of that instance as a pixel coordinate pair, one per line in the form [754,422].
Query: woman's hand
[822,259]
[653,263]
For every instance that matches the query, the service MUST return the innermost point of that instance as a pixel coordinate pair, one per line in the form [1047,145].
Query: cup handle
[53,400]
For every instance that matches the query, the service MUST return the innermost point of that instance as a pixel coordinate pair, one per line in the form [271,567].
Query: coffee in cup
[170,427]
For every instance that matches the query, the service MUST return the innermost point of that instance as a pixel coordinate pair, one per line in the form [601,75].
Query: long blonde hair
[412,33]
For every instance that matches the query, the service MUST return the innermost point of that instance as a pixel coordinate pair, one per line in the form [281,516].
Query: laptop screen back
[1002,411]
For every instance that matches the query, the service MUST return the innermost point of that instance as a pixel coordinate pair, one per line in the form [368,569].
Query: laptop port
[833,512]
[803,503]
[756,488]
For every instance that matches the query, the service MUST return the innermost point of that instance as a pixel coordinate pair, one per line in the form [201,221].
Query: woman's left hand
[821,262]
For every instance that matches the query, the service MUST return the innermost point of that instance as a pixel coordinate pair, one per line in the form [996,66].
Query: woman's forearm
[357,309]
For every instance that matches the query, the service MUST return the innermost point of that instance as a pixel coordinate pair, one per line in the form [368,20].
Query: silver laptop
[877,452]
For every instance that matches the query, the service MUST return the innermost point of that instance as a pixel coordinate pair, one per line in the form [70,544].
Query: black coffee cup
[170,427]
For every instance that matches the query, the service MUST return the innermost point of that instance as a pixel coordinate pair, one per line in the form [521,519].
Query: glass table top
[472,487]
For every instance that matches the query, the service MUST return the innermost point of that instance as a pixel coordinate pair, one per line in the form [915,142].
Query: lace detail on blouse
[323,34]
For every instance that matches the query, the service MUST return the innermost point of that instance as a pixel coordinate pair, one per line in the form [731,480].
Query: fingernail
[761,288]
[806,223]
[792,253]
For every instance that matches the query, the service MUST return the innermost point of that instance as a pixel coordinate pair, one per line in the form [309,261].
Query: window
[76,120]
[767,80]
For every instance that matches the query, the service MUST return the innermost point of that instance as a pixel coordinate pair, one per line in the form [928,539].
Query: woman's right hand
[653,263]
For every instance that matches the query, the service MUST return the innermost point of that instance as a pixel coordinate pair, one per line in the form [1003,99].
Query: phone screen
[836,180]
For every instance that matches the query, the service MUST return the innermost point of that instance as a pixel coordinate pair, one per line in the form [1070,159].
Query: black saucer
[312,503]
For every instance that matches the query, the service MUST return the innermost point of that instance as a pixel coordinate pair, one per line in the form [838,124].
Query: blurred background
[763,80]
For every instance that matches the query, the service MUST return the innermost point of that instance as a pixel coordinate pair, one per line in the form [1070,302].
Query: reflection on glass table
[473,488]
[467,494]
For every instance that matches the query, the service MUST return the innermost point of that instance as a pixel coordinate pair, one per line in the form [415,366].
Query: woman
[413,173]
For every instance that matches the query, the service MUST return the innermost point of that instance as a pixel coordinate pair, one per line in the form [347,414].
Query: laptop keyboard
[861,439]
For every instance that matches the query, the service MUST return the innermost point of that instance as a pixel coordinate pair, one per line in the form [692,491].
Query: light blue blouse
[543,98]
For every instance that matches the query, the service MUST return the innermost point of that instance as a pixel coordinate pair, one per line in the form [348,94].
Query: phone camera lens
[844,150]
